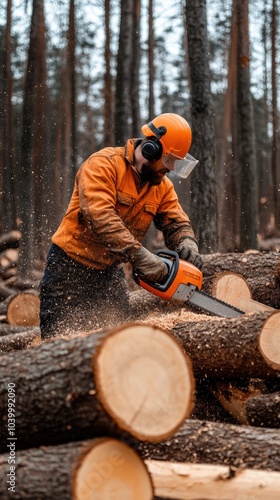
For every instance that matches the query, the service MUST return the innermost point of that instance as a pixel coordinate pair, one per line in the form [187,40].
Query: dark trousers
[75,297]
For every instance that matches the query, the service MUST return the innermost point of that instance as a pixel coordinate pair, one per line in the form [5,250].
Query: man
[118,192]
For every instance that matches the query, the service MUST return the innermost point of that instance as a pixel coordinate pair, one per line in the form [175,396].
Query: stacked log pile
[177,404]
[19,300]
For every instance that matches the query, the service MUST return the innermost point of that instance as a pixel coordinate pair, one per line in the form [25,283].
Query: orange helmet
[171,140]
[178,136]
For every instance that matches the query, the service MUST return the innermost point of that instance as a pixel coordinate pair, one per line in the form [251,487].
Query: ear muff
[151,148]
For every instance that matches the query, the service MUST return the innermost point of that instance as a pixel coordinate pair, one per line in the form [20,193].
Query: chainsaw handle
[171,259]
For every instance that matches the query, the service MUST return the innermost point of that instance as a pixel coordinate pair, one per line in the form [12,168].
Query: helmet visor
[180,166]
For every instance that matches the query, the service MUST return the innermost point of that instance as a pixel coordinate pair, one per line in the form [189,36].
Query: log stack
[176,404]
[19,300]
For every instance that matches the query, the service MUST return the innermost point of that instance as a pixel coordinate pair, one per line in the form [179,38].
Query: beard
[151,175]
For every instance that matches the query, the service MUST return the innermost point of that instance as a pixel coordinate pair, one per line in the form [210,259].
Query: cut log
[8,329]
[25,284]
[261,270]
[264,410]
[247,346]
[103,468]
[10,240]
[248,265]
[265,290]
[233,396]
[234,289]
[161,373]
[139,373]
[5,291]
[8,259]
[22,309]
[199,441]
[208,406]
[211,482]
[20,340]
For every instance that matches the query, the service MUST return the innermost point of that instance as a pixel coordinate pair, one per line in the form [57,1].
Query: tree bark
[200,441]
[211,482]
[5,293]
[75,470]
[261,271]
[249,265]
[136,379]
[123,79]
[264,410]
[203,188]
[240,347]
[246,156]
[108,88]
[234,395]
[20,340]
[8,330]
[10,240]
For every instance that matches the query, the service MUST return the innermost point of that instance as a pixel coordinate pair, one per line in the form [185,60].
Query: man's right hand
[149,266]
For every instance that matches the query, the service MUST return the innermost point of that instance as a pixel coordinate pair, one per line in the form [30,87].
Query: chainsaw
[183,283]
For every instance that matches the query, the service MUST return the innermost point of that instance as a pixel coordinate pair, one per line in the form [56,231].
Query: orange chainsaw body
[181,272]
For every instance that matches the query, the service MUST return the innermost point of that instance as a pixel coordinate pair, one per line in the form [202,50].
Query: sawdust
[169,320]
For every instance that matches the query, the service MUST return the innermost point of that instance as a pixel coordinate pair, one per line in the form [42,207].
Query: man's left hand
[188,250]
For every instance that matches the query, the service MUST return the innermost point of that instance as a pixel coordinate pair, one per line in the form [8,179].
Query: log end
[269,340]
[23,310]
[145,381]
[111,469]
[234,289]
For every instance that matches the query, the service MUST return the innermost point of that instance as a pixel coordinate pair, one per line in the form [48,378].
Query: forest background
[79,75]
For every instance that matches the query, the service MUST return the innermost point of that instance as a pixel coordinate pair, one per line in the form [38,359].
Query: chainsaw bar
[189,293]
[214,306]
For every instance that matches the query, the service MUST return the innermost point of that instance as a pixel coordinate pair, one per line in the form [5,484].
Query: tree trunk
[134,69]
[246,136]
[248,265]
[203,188]
[240,347]
[200,441]
[264,410]
[211,482]
[261,271]
[228,180]
[123,80]
[138,373]
[7,183]
[89,469]
[275,121]
[151,43]
[70,110]
[33,142]
[108,89]
[234,289]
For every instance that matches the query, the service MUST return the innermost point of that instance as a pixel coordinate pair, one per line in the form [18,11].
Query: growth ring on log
[145,381]
[269,340]
[111,469]
[234,289]
[23,310]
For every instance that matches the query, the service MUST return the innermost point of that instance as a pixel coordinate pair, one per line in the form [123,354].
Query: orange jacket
[107,217]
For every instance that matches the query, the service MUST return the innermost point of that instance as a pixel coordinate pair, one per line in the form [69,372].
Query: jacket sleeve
[97,194]
[172,220]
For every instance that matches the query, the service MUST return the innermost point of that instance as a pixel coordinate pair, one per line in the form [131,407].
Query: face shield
[180,166]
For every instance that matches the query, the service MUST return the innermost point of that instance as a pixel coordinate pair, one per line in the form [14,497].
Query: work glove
[149,266]
[188,250]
